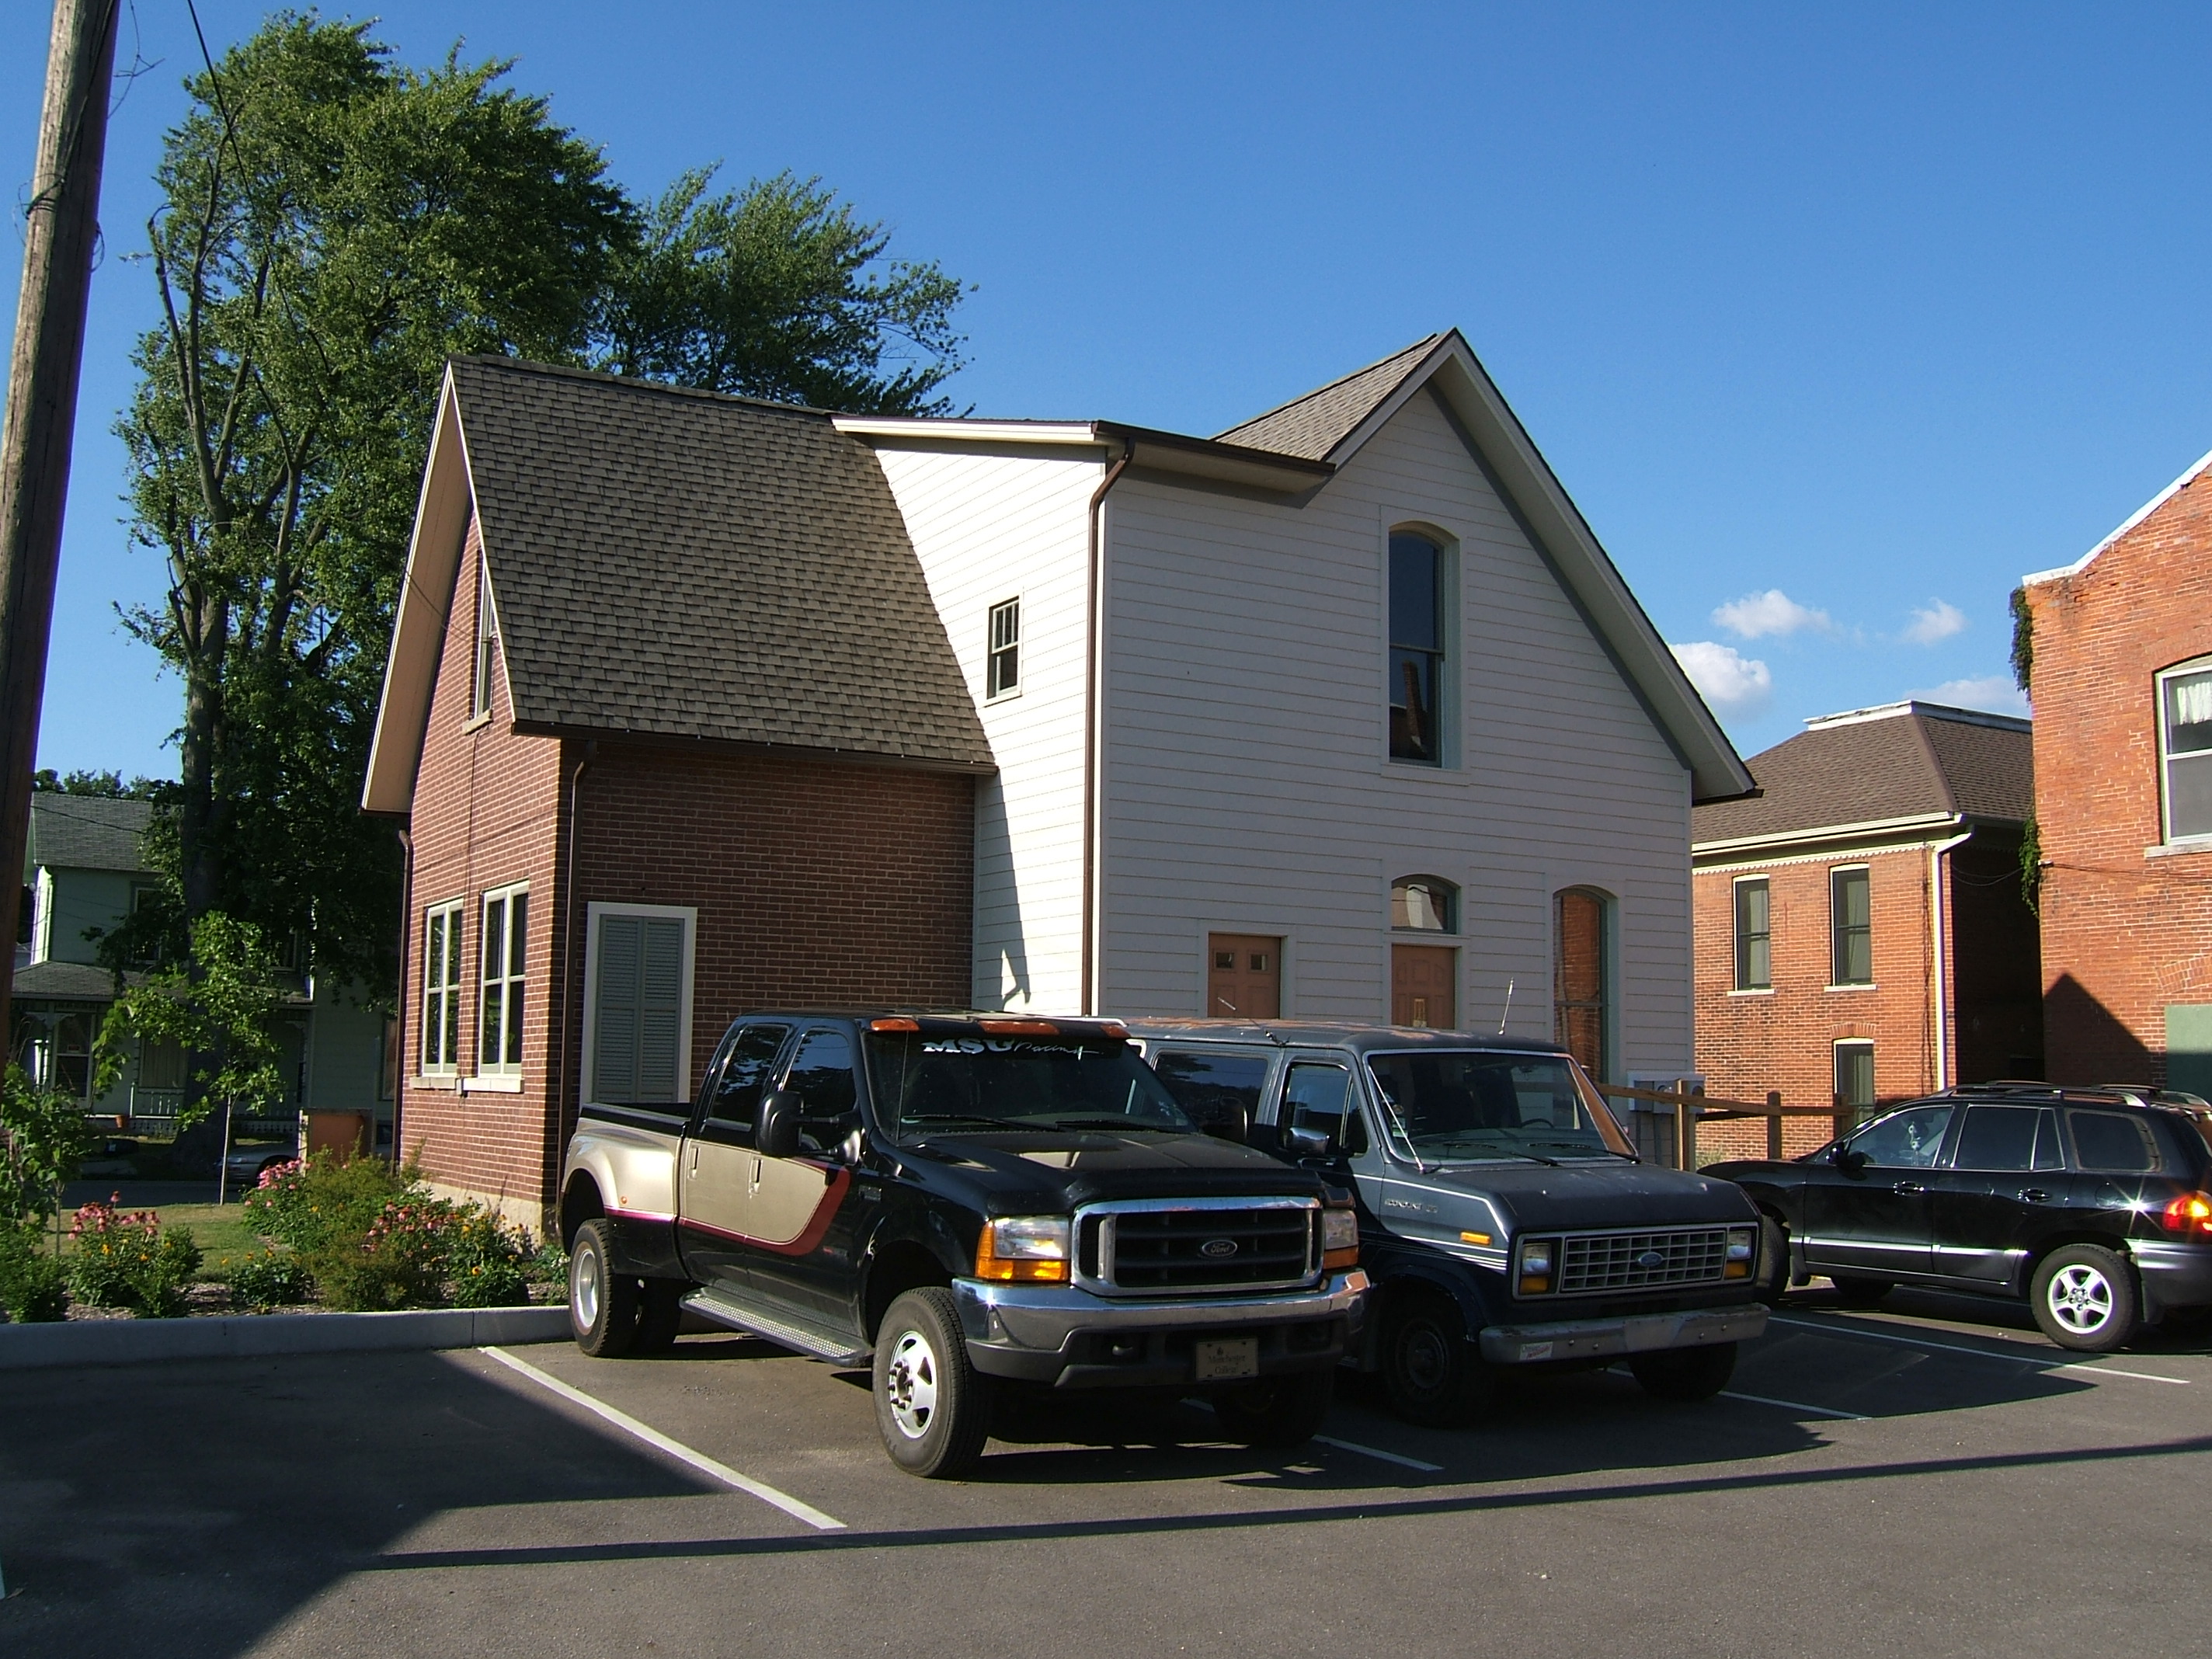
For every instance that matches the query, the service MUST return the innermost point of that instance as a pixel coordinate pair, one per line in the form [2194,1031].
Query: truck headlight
[1533,1274]
[1742,1252]
[1030,1250]
[1339,1238]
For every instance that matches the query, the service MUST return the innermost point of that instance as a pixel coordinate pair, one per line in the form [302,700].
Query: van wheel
[1774,1254]
[1861,1292]
[933,1407]
[659,1316]
[2084,1298]
[1284,1412]
[1687,1374]
[1434,1374]
[602,1303]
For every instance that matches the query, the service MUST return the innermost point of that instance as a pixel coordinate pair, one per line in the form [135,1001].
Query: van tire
[1435,1375]
[602,1303]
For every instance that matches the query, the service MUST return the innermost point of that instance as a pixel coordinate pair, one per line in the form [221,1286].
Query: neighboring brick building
[2122,680]
[1860,927]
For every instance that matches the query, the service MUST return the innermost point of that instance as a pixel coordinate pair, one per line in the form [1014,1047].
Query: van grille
[1621,1262]
[1148,1247]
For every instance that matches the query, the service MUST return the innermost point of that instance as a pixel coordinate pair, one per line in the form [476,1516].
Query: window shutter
[639,1011]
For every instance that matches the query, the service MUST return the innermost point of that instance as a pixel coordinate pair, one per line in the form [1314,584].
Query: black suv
[2090,1202]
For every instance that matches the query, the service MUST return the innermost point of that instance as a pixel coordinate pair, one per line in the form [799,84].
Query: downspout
[558,1085]
[1093,715]
[399,1013]
[1939,970]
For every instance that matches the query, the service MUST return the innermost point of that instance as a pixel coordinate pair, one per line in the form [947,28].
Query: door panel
[1422,982]
[794,1260]
[719,1165]
[1878,1223]
[1244,976]
[2007,1175]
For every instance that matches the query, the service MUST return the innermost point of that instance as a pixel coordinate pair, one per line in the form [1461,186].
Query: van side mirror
[776,1134]
[1307,1143]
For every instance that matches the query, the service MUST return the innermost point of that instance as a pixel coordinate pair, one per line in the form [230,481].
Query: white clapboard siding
[1245,783]
[988,527]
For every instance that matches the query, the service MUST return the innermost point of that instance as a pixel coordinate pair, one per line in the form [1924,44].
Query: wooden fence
[1686,1106]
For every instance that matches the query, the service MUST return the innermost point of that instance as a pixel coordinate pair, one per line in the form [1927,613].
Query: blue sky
[1835,321]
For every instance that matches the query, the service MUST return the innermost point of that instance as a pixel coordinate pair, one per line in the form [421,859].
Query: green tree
[222,1009]
[779,291]
[107,784]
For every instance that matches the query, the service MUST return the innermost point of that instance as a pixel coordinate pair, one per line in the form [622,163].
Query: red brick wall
[2123,935]
[1750,1042]
[816,884]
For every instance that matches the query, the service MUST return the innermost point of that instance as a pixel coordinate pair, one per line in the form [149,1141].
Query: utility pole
[59,233]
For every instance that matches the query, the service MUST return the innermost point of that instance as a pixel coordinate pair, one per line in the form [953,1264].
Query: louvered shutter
[638,1011]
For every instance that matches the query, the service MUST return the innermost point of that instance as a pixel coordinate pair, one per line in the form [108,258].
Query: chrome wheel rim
[2079,1298]
[910,1384]
[584,1288]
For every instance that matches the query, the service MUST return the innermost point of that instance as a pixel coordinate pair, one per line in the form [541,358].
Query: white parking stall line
[2040,1363]
[1798,1406]
[676,1448]
[1378,1451]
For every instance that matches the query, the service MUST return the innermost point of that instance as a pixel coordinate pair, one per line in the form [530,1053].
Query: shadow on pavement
[186,1509]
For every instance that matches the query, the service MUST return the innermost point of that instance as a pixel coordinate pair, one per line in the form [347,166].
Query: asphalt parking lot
[1931,1478]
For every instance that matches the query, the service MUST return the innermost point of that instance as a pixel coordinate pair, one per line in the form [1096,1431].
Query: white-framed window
[487,644]
[2184,747]
[1754,934]
[506,938]
[637,1004]
[1003,669]
[1418,606]
[1855,1075]
[441,986]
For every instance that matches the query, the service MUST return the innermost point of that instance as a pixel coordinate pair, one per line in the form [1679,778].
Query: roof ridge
[1426,343]
[1927,747]
[633,382]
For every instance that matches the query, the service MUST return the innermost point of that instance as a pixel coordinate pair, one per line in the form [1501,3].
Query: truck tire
[2084,1298]
[1686,1375]
[933,1407]
[659,1316]
[1281,1412]
[1434,1374]
[602,1303]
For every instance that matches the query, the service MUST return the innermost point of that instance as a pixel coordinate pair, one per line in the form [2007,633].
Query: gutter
[1093,715]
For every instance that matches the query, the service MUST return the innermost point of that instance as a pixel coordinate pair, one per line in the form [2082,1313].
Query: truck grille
[1161,1248]
[1621,1262]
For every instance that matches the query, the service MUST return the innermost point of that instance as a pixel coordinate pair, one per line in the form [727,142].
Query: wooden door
[1421,985]
[1243,976]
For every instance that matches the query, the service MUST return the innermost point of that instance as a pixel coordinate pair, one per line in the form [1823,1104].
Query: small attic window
[487,648]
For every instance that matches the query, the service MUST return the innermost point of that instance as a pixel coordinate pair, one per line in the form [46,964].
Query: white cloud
[1732,683]
[1995,692]
[1938,620]
[1757,614]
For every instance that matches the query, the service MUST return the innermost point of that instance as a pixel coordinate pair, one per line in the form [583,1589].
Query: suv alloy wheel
[2084,1298]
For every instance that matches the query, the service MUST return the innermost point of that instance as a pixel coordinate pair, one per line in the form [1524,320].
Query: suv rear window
[2115,1143]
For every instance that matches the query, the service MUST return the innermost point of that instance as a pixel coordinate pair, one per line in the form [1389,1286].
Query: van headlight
[1533,1263]
[1742,1252]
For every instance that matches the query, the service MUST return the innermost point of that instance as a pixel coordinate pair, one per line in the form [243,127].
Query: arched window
[1582,977]
[1425,905]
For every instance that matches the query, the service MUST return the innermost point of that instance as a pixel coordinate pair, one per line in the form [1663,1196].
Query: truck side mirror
[776,1135]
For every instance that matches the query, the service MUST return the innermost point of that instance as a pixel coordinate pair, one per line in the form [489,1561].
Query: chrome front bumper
[1605,1339]
[1068,1337]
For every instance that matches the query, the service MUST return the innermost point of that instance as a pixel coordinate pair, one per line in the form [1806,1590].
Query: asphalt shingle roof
[1312,426]
[86,832]
[682,564]
[1923,758]
[67,982]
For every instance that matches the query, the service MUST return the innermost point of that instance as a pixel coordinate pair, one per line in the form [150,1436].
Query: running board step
[722,1311]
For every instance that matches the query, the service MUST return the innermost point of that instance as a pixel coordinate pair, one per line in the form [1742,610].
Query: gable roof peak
[1315,424]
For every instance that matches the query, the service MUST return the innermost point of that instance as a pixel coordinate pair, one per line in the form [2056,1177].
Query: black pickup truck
[1505,1219]
[967,1202]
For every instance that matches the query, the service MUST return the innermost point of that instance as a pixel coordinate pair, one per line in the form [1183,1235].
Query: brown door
[1243,976]
[1421,985]
[1580,994]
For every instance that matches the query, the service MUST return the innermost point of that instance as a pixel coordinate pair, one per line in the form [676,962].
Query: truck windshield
[951,1083]
[1448,1106]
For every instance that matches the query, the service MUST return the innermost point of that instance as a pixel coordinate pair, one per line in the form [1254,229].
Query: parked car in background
[1505,1218]
[967,1203]
[2090,1203]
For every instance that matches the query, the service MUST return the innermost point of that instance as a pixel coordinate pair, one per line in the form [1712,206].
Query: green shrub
[548,1265]
[487,1261]
[273,1278]
[33,1289]
[126,1259]
[327,1198]
[398,1261]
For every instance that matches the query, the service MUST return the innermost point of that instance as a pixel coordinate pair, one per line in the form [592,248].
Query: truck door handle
[694,1157]
[1906,1188]
[2033,1195]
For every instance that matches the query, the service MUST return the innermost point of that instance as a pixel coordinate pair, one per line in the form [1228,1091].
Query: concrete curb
[136,1342]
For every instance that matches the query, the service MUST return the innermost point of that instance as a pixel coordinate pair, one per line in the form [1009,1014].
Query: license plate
[1230,1357]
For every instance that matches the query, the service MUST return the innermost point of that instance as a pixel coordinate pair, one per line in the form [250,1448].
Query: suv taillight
[2190,1215]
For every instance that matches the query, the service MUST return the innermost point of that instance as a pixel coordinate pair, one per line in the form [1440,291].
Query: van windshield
[949,1085]
[1453,1106]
